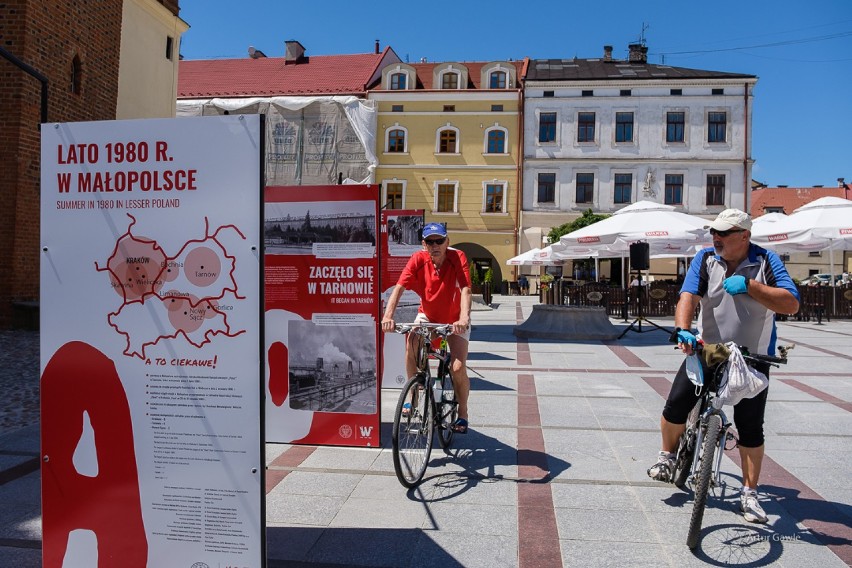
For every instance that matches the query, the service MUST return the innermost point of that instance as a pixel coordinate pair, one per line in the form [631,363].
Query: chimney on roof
[255,53]
[638,53]
[841,182]
[607,53]
[294,52]
[377,47]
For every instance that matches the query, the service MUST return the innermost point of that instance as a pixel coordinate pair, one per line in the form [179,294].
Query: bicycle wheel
[448,412]
[686,448]
[705,471]
[412,434]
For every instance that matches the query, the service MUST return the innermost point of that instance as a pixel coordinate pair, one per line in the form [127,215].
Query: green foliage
[474,275]
[489,276]
[584,220]
[546,278]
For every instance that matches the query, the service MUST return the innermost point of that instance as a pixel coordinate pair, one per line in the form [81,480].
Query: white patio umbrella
[822,224]
[667,232]
[535,257]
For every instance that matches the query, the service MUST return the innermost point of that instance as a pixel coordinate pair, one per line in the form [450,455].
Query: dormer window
[497,80]
[398,81]
[450,80]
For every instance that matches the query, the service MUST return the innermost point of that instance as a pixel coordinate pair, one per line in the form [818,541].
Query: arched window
[450,80]
[76,75]
[448,140]
[497,80]
[398,81]
[495,140]
[396,140]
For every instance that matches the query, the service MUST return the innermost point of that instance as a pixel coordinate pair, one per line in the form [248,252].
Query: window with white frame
[495,140]
[674,189]
[394,194]
[546,188]
[585,127]
[396,139]
[717,124]
[494,196]
[446,196]
[447,140]
[623,188]
[585,187]
[675,126]
[715,189]
[546,127]
[624,127]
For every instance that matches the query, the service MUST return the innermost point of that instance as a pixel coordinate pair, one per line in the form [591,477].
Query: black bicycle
[427,404]
[697,460]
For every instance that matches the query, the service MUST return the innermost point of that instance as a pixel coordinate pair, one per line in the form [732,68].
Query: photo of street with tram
[298,228]
[332,368]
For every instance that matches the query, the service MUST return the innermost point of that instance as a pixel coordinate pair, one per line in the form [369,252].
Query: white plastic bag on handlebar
[739,380]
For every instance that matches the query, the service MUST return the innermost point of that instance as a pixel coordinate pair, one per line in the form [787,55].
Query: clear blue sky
[800,50]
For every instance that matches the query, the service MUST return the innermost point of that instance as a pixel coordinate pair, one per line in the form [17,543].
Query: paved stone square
[552,472]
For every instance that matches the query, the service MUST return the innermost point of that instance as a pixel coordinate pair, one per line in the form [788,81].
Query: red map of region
[189,294]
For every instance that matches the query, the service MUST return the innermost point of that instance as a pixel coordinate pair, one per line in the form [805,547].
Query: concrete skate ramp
[567,322]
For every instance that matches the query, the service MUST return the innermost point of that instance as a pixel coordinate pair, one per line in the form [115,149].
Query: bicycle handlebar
[747,355]
[425,328]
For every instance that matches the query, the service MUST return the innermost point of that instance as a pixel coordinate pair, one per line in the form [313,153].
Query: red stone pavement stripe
[803,504]
[291,458]
[629,357]
[838,402]
[523,355]
[538,535]
[806,506]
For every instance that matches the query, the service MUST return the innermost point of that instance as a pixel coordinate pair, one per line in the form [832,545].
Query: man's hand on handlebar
[388,325]
[461,326]
[685,340]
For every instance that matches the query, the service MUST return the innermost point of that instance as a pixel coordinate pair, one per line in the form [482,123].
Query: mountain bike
[697,460]
[427,404]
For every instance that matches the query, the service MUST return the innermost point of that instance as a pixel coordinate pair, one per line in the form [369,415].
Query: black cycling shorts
[748,413]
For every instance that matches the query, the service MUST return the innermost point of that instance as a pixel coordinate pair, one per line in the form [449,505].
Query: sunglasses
[433,242]
[724,234]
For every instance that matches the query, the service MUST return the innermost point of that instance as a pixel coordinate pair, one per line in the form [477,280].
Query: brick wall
[47,36]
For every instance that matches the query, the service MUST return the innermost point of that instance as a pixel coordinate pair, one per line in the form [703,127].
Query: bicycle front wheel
[412,432]
[705,472]
[448,410]
[686,448]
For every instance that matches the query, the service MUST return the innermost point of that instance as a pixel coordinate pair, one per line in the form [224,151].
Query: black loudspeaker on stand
[640,259]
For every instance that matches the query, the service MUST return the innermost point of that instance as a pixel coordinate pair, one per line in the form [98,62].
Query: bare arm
[778,300]
[464,316]
[684,311]
[387,319]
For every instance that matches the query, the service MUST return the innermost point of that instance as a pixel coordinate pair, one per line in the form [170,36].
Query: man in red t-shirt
[440,276]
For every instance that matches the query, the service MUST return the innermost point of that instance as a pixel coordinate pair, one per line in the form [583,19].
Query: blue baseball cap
[433,229]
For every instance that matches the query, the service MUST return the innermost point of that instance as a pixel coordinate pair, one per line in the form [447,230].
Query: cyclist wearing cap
[739,287]
[440,275]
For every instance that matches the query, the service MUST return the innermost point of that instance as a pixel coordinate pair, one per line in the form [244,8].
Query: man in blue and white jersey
[739,287]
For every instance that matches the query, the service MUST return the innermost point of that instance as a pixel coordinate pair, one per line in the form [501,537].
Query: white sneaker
[750,507]
[662,470]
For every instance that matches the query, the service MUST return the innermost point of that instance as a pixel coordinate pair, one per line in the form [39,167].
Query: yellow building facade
[448,142]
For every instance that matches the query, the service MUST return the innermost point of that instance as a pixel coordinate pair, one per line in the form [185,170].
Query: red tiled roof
[269,76]
[791,198]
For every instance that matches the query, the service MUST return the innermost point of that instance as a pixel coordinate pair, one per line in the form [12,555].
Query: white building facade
[602,133]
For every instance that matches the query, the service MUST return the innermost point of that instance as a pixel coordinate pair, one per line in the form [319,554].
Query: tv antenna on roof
[642,35]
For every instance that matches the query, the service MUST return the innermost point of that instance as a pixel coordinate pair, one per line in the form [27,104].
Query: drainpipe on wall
[519,177]
[746,180]
[30,71]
